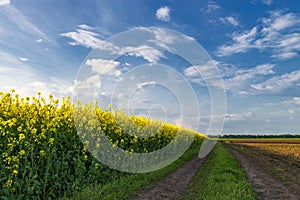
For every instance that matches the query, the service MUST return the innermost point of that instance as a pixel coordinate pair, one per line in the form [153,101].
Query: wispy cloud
[277,34]
[23,23]
[89,39]
[150,50]
[86,27]
[4,2]
[141,85]
[240,79]
[163,14]
[278,83]
[206,71]
[235,80]
[238,117]
[23,59]
[241,43]
[211,6]
[268,2]
[230,21]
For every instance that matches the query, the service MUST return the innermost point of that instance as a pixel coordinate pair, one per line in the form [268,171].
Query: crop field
[278,159]
[43,157]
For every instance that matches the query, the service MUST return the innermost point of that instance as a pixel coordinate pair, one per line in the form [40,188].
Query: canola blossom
[44,157]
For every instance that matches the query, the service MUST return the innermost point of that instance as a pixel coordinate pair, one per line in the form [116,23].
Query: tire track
[174,183]
[264,185]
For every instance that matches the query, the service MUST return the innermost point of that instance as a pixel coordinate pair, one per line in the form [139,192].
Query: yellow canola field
[43,156]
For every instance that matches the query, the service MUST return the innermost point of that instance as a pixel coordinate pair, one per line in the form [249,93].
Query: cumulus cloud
[163,14]
[101,66]
[275,33]
[86,88]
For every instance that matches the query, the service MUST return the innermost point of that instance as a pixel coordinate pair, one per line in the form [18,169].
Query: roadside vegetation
[128,186]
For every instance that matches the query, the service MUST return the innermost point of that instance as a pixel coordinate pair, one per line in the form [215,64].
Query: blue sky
[255,45]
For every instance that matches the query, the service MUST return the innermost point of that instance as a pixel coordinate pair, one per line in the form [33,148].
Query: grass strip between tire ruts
[220,177]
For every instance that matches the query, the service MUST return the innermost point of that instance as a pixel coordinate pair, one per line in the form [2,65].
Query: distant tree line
[261,136]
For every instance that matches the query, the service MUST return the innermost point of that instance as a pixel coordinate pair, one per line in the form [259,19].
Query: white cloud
[141,85]
[86,88]
[241,79]
[241,43]
[104,66]
[238,117]
[163,14]
[91,39]
[230,20]
[23,59]
[291,111]
[86,27]
[212,6]
[4,2]
[23,23]
[39,40]
[278,83]
[277,34]
[207,71]
[296,100]
[233,79]
[268,2]
[148,53]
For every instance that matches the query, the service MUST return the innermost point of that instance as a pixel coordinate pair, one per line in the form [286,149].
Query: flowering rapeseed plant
[42,154]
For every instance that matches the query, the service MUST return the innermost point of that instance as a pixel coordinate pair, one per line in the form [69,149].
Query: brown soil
[271,176]
[171,186]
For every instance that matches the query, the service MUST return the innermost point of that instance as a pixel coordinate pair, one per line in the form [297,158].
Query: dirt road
[264,185]
[173,184]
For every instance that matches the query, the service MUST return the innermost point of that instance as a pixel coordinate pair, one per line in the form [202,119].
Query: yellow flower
[9,182]
[15,159]
[33,131]
[42,153]
[22,152]
[19,128]
[51,140]
[15,172]
[85,157]
[21,136]
[97,165]
[8,160]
